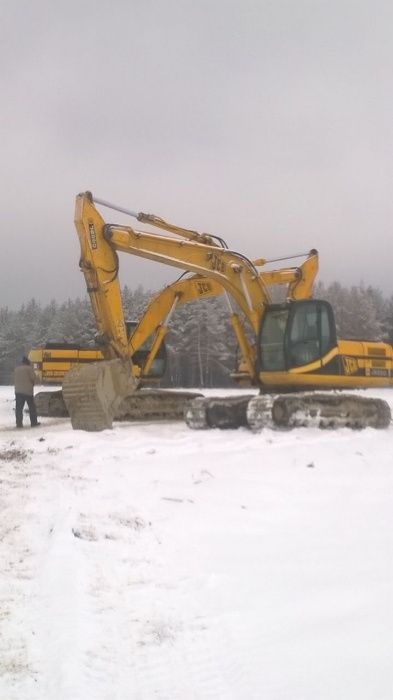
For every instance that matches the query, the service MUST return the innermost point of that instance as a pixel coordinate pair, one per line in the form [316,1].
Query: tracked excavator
[293,350]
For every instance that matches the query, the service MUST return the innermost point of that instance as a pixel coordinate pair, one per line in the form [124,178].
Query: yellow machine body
[51,364]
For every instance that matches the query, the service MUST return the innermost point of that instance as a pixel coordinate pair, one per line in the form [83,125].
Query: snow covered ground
[155,562]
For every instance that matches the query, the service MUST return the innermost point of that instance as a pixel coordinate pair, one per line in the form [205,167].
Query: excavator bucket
[92,393]
[51,403]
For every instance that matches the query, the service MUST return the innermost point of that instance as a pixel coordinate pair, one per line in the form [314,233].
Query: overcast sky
[269,123]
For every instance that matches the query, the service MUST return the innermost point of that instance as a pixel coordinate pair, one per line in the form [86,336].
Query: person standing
[25,378]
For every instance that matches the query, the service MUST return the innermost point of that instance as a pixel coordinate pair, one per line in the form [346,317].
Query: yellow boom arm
[223,269]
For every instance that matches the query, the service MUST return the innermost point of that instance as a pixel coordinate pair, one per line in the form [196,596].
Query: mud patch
[14,454]
[136,523]
[85,534]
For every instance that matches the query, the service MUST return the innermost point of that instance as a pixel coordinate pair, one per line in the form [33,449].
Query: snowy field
[152,562]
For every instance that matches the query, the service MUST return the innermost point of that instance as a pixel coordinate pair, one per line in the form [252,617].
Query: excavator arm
[299,280]
[216,267]
[157,315]
[100,244]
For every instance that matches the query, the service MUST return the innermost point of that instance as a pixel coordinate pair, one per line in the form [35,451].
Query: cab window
[272,339]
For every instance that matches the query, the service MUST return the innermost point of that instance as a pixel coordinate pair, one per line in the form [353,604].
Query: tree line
[202,349]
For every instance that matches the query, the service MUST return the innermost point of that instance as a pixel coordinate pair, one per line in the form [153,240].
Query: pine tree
[201,345]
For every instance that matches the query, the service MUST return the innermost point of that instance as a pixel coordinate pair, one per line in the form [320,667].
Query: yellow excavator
[293,346]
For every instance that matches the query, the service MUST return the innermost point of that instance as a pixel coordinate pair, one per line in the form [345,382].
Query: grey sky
[269,123]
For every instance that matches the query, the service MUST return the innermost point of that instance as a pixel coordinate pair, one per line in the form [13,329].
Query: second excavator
[289,351]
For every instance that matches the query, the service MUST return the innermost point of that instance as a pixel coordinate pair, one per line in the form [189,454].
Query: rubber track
[331,411]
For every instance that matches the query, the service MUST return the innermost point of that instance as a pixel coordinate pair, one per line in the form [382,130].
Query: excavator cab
[297,334]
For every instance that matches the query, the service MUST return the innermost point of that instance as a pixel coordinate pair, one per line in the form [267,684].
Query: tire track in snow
[63,616]
[20,668]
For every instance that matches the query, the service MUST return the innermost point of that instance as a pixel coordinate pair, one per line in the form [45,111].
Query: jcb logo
[203,287]
[93,236]
[217,263]
[350,365]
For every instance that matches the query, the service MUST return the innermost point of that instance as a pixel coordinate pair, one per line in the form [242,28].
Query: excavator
[292,353]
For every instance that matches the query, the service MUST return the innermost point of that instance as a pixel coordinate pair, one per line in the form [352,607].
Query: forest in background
[202,350]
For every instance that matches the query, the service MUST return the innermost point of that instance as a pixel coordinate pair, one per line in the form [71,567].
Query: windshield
[272,339]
